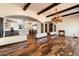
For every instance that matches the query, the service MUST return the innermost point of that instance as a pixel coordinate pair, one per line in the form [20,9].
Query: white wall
[70,24]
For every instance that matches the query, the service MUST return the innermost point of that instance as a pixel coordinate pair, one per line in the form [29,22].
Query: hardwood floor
[48,46]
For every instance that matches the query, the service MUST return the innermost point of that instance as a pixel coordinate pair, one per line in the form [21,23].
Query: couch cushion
[41,35]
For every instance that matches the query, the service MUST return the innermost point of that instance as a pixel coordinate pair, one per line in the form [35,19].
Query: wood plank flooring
[59,46]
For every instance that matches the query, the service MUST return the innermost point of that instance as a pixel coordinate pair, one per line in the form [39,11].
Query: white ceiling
[37,7]
[21,5]
[59,7]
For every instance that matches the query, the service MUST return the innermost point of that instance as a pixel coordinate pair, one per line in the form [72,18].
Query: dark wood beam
[26,6]
[47,8]
[73,7]
[70,14]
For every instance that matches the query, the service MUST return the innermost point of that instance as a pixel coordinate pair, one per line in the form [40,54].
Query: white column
[47,27]
[4,20]
[39,28]
[43,27]
[27,27]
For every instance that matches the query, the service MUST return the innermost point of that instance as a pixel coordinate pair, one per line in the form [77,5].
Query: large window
[45,27]
[41,27]
[50,27]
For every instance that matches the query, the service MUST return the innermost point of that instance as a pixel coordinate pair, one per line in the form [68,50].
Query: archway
[31,23]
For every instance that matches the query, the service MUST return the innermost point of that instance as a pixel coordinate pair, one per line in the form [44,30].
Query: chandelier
[57,18]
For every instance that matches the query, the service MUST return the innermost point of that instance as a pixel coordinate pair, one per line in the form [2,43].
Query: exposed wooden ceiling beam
[71,14]
[26,6]
[73,7]
[47,8]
